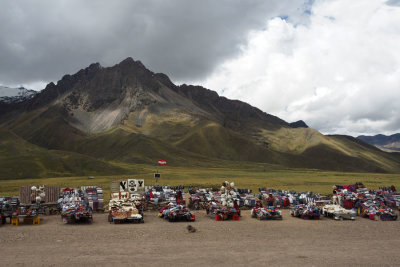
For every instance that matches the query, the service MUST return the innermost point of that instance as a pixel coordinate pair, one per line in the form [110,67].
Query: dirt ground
[157,242]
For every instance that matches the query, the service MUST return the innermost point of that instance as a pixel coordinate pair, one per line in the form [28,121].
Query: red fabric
[348,204]
[162,162]
[67,189]
[235,217]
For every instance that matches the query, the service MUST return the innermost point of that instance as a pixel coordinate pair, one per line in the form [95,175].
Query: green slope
[45,127]
[21,159]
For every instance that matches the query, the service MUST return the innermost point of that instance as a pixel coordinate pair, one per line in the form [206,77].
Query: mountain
[14,95]
[298,124]
[128,114]
[384,142]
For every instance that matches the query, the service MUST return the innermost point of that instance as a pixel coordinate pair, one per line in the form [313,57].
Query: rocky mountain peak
[97,98]
[298,124]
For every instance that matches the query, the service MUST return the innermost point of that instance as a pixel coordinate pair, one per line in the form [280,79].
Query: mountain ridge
[128,113]
[384,142]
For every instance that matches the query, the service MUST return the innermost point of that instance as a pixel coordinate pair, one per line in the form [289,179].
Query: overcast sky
[333,63]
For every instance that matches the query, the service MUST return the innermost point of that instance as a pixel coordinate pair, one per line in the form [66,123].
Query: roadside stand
[74,205]
[174,212]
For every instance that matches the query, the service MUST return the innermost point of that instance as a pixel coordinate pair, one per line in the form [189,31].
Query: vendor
[259,204]
[179,197]
[270,200]
[235,205]
[392,188]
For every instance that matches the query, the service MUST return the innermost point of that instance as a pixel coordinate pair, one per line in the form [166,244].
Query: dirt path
[157,242]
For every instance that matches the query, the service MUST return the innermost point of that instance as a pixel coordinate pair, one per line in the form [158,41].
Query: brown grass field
[250,176]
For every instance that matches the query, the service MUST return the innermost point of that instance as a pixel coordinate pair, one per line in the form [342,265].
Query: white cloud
[340,72]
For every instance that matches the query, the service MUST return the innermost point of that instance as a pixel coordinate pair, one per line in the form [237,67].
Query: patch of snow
[15,95]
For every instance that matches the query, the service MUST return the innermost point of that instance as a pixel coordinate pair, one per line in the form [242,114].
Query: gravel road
[290,242]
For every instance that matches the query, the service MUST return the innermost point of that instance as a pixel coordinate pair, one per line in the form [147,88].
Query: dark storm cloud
[43,40]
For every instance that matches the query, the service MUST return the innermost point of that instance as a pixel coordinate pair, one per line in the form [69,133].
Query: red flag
[162,162]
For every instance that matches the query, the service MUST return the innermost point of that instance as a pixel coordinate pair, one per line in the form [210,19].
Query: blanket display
[375,210]
[266,213]
[306,211]
[165,194]
[200,198]
[392,199]
[350,196]
[223,213]
[95,197]
[74,205]
[225,203]
[176,212]
[286,198]
[373,204]
[125,207]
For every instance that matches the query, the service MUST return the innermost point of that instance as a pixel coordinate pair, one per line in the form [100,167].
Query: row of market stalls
[73,204]
[130,198]
[346,202]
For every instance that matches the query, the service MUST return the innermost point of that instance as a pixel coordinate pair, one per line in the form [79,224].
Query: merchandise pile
[165,194]
[377,210]
[338,212]
[373,204]
[125,208]
[176,212]
[199,197]
[392,199]
[286,198]
[27,211]
[38,194]
[305,211]
[350,196]
[95,197]
[390,196]
[44,196]
[222,213]
[268,213]
[226,196]
[74,205]
[8,206]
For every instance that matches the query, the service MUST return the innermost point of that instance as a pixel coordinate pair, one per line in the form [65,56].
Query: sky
[333,63]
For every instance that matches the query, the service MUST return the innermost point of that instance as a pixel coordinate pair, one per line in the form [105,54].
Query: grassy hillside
[184,140]
[45,127]
[20,159]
